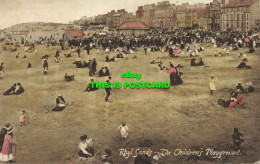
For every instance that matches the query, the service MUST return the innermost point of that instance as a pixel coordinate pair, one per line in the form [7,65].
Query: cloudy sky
[62,11]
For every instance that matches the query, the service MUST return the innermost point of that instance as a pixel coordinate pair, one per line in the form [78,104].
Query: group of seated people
[68,78]
[236,98]
[67,55]
[45,56]
[158,61]
[220,54]
[233,47]
[80,64]
[120,55]
[200,49]
[240,89]
[154,48]
[113,59]
[193,62]
[104,71]
[16,89]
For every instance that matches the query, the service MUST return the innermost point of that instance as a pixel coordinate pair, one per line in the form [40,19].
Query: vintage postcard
[129,81]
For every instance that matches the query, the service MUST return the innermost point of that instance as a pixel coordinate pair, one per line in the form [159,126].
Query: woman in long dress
[6,152]
[2,137]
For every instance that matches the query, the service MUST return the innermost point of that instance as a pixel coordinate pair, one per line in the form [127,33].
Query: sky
[62,11]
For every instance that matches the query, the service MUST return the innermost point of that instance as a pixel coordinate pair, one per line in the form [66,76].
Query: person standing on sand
[45,66]
[2,137]
[22,118]
[212,86]
[94,66]
[108,88]
[6,152]
[123,129]
[237,140]
[78,51]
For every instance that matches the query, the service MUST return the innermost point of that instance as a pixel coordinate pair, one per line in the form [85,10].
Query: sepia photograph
[129,81]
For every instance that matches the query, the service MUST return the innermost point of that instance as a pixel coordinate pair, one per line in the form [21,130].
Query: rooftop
[132,25]
[72,32]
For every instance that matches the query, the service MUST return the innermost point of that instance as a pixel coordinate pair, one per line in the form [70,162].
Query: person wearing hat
[19,89]
[250,88]
[239,88]
[60,103]
[107,72]
[212,86]
[2,70]
[123,129]
[85,148]
[108,88]
[6,152]
[236,136]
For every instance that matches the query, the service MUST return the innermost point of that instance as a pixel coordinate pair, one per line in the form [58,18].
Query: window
[231,16]
[238,17]
[237,24]
[227,24]
[231,24]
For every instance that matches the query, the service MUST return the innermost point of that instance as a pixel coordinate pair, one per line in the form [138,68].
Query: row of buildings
[217,15]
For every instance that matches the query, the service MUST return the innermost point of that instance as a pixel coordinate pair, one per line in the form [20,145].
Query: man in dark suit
[94,66]
[78,51]
[108,88]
